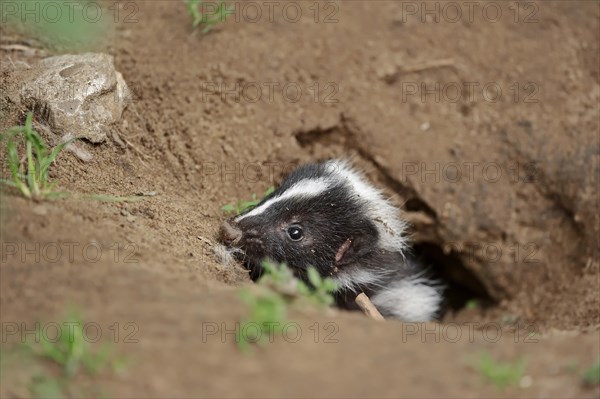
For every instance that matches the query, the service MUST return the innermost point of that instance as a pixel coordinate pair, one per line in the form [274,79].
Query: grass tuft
[208,14]
[33,183]
[472,304]
[277,289]
[500,374]
[55,363]
[591,376]
[71,351]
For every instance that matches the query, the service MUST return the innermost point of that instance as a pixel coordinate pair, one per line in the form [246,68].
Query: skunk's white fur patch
[225,255]
[410,299]
[352,279]
[380,210]
[305,188]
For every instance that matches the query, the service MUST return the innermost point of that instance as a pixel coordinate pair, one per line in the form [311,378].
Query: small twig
[20,48]
[141,155]
[367,307]
[12,63]
[207,241]
[444,63]
[428,65]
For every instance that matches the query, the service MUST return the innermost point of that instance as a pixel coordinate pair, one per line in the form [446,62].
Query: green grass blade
[52,351]
[228,208]
[13,164]
[42,386]
[193,10]
[55,194]
[31,177]
[47,161]
[591,376]
[314,277]
[8,183]
[95,363]
[11,132]
[13,159]
[33,141]
[28,122]
[38,144]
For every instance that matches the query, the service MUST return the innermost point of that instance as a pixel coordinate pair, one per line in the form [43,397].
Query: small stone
[77,149]
[117,139]
[425,126]
[526,382]
[81,94]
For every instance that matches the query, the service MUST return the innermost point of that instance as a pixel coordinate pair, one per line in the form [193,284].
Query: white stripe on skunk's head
[380,210]
[324,215]
[305,188]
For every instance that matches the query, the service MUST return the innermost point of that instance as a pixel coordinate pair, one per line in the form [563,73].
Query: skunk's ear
[361,242]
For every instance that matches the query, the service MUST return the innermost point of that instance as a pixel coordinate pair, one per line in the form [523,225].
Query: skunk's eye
[295,233]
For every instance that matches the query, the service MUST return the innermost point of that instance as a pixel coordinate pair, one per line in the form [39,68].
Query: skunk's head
[323,215]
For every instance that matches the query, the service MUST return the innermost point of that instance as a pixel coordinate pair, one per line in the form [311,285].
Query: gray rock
[79,95]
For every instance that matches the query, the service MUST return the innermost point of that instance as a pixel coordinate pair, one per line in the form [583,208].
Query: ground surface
[502,190]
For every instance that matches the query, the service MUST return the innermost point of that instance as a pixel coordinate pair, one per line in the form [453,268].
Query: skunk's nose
[229,234]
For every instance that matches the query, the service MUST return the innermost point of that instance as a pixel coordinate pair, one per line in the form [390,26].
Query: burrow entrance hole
[462,287]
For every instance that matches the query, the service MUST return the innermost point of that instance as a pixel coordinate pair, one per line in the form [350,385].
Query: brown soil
[198,147]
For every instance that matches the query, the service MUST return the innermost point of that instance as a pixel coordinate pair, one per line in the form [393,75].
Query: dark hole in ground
[415,204]
[463,288]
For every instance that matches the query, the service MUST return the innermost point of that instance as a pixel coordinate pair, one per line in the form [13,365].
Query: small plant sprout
[591,376]
[268,310]
[322,288]
[72,351]
[472,304]
[500,374]
[281,279]
[208,13]
[34,184]
[276,289]
[243,206]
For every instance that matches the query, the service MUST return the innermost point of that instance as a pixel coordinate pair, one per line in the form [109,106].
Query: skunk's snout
[230,234]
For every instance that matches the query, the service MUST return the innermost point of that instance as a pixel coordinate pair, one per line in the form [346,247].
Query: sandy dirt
[500,180]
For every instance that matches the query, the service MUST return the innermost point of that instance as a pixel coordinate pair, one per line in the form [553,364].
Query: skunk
[327,215]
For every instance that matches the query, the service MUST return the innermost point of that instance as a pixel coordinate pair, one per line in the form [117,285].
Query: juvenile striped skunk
[327,215]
